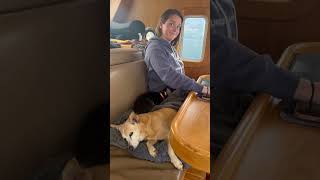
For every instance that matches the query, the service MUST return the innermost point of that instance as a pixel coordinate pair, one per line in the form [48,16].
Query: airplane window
[193,38]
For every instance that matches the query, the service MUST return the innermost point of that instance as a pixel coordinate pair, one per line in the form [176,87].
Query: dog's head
[130,130]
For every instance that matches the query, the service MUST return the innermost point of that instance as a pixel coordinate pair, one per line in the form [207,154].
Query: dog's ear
[133,118]
[132,115]
[115,126]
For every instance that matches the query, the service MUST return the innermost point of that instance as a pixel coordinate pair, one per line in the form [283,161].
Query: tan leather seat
[127,81]
[123,166]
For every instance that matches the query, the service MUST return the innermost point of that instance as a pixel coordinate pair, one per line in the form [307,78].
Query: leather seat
[125,167]
[127,81]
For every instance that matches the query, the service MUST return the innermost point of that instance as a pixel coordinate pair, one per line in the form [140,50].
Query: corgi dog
[152,126]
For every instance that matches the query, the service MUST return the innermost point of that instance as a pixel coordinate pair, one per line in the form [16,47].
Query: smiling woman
[164,66]
[171,28]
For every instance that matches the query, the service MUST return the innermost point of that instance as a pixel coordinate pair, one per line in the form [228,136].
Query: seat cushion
[127,81]
[124,55]
[123,166]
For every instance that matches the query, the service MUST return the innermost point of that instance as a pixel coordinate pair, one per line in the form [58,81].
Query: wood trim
[193,174]
[204,43]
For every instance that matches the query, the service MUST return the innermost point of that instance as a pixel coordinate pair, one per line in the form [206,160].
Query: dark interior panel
[270,27]
[9,6]
[52,75]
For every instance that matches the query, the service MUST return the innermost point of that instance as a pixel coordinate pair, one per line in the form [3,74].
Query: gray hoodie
[165,69]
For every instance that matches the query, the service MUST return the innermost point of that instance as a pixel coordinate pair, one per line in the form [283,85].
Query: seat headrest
[124,55]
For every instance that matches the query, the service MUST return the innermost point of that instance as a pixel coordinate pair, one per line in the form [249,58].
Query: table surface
[190,132]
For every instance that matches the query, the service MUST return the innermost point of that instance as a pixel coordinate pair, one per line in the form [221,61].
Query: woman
[165,69]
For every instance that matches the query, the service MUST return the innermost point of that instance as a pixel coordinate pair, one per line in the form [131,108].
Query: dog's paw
[153,152]
[178,164]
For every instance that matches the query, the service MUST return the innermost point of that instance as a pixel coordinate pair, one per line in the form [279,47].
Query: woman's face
[171,28]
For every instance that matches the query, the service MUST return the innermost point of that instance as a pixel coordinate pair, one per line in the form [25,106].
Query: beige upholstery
[125,167]
[127,81]
[124,55]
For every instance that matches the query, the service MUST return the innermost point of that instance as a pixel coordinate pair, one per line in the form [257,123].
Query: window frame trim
[204,38]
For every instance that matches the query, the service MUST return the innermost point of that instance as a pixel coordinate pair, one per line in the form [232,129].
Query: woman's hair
[164,17]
